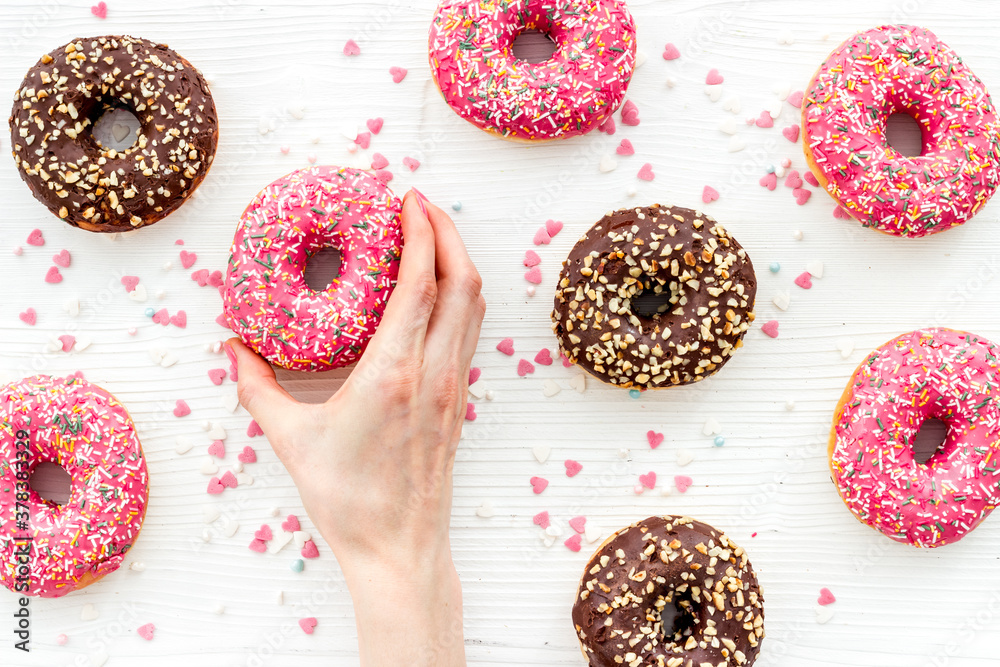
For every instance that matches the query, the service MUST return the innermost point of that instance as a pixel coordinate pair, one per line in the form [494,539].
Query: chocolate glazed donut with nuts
[663,250]
[661,561]
[100,189]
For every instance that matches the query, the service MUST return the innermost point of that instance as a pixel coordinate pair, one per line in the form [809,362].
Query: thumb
[259,392]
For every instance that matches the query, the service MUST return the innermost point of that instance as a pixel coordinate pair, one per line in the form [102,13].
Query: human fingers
[259,392]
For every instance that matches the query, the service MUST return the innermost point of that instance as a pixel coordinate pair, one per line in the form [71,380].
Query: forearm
[408,613]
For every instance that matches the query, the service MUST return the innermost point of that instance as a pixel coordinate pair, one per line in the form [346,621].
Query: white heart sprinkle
[208,466]
[184,445]
[297,112]
[631,191]
[231,528]
[215,431]
[73,307]
[714,92]
[167,266]
[82,343]
[579,383]
[477,391]
[665,490]
[732,105]
[209,513]
[592,531]
[712,427]
[138,294]
[349,131]
[824,614]
[640,58]
[244,479]
[548,540]
[137,566]
[206,535]
[623,453]
[301,537]
[230,401]
[774,109]
[264,126]
[736,144]
[99,659]
[607,164]
[846,347]
[684,457]
[554,530]
[220,609]
[815,269]
[54,345]
[782,299]
[88,613]
[485,510]
[551,388]
[782,89]
[168,360]
[279,542]
[541,453]
[729,126]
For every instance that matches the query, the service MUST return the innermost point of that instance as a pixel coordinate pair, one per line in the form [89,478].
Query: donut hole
[322,269]
[51,482]
[929,440]
[654,300]
[533,46]
[678,620]
[904,135]
[116,128]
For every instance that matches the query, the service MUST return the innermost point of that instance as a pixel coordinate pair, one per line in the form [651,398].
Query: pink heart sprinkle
[470,412]
[474,374]
[646,172]
[291,524]
[841,214]
[683,483]
[182,409]
[565,362]
[379,161]
[62,258]
[765,120]
[130,283]
[383,176]
[573,543]
[801,196]
[161,317]
[179,320]
[608,126]
[795,99]
[29,317]
[217,375]
[53,276]
[215,486]
[709,194]
[770,328]
[264,533]
[201,277]
[804,281]
[398,73]
[35,238]
[145,631]
[791,133]
[625,148]
[254,429]
[308,625]
[825,597]
[769,181]
[217,449]
[524,367]
[67,342]
[670,52]
[572,467]
[714,78]
[542,237]
[538,484]
[258,545]
[531,258]
[309,550]
[188,259]
[578,523]
[364,139]
[544,357]
[221,321]
[229,479]
[793,181]
[411,163]
[374,125]
[553,227]
[506,346]
[351,48]
[630,113]
[811,179]
[655,439]
[248,455]
[179,242]
[541,520]
[648,480]
[533,275]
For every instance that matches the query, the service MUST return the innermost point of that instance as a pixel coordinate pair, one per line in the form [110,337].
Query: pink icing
[84,429]
[267,301]
[570,94]
[902,69]
[949,375]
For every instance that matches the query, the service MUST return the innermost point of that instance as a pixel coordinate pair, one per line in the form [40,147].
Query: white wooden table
[768,486]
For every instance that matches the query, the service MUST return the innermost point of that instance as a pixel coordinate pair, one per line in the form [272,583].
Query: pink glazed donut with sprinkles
[934,373]
[902,69]
[571,93]
[267,301]
[49,549]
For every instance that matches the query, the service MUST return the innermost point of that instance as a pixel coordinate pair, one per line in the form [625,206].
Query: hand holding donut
[373,464]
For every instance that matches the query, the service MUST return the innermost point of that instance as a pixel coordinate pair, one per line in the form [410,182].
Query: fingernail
[230,353]
[420,201]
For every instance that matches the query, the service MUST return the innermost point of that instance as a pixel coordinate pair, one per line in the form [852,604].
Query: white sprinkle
[541,453]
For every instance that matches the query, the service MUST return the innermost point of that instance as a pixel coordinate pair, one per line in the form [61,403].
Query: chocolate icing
[661,561]
[666,250]
[103,190]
